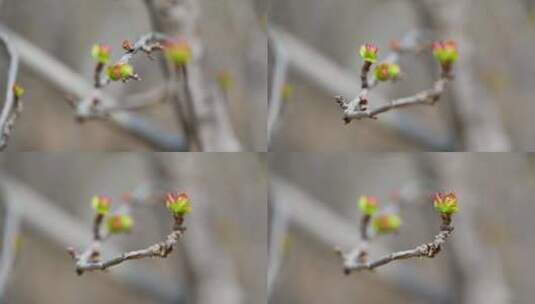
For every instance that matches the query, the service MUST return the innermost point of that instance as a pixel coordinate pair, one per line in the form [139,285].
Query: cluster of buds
[120,223]
[179,52]
[120,71]
[18,91]
[101,53]
[446,53]
[386,71]
[446,203]
[386,223]
[381,223]
[368,52]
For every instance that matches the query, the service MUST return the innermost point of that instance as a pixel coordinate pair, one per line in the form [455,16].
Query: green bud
[119,224]
[101,53]
[386,223]
[178,203]
[368,52]
[101,204]
[446,203]
[368,205]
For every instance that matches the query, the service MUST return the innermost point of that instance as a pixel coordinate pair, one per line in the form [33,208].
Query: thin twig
[278,232]
[354,262]
[427,97]
[11,107]
[89,260]
[279,74]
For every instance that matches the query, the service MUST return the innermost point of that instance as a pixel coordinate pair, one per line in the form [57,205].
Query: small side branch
[354,261]
[426,97]
[90,259]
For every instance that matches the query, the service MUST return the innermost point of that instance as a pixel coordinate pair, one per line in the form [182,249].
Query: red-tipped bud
[178,203]
[101,53]
[445,52]
[101,204]
[386,71]
[120,71]
[119,224]
[386,223]
[368,52]
[179,52]
[446,203]
[368,205]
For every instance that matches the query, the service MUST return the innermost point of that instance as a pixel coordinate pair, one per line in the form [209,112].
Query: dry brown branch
[12,106]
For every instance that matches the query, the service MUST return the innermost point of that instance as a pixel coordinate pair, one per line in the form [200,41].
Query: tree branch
[332,78]
[64,78]
[357,108]
[357,262]
[12,106]
[48,219]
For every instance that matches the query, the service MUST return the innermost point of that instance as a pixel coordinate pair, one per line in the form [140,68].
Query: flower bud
[178,203]
[446,203]
[287,92]
[386,71]
[101,204]
[120,71]
[101,53]
[18,91]
[368,205]
[179,52]
[368,52]
[445,52]
[119,223]
[386,223]
[225,80]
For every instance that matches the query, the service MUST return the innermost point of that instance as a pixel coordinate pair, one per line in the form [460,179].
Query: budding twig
[90,259]
[357,259]
[358,107]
